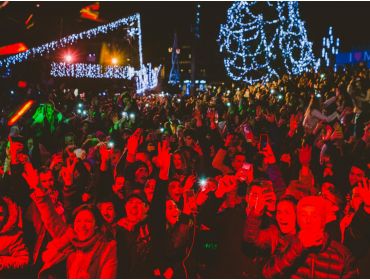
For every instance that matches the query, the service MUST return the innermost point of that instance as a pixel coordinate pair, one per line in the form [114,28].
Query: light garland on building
[71,39]
[95,71]
[254,45]
[330,48]
[146,77]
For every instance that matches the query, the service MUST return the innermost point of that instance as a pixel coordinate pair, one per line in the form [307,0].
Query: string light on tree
[330,48]
[262,40]
[293,42]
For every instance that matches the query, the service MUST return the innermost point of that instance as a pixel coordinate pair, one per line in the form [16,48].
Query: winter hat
[138,194]
[100,135]
[132,168]
[12,215]
[3,213]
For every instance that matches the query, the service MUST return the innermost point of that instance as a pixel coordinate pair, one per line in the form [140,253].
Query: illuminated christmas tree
[262,40]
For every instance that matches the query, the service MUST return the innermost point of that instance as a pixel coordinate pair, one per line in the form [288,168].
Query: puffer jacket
[331,260]
[268,238]
[13,252]
[66,257]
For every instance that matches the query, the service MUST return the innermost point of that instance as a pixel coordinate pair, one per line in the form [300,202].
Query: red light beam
[17,115]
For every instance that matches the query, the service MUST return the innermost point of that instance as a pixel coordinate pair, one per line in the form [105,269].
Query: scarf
[87,244]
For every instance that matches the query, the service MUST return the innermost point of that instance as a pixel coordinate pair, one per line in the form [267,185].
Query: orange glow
[13,49]
[25,107]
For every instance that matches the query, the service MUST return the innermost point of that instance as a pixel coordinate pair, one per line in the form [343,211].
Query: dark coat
[332,260]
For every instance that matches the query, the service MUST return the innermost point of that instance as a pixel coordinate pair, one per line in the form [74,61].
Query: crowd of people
[259,181]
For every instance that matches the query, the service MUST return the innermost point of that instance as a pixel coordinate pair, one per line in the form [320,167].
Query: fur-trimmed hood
[13,217]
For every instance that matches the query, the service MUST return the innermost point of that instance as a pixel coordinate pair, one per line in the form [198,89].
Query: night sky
[161,19]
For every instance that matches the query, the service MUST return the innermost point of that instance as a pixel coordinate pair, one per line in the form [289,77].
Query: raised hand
[189,183]
[267,152]
[304,155]
[337,133]
[226,184]
[133,144]
[31,176]
[69,150]
[229,140]
[270,118]
[329,131]
[197,149]
[364,189]
[14,149]
[211,114]
[105,153]
[67,172]
[164,159]
[197,114]
[168,274]
[293,125]
[55,160]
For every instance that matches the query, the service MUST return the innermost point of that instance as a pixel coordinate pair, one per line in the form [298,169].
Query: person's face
[85,127]
[119,184]
[172,212]
[238,162]
[69,140]
[107,211]
[356,199]
[286,217]
[367,132]
[136,209]
[310,218]
[84,225]
[355,176]
[47,180]
[149,189]
[30,144]
[115,157]
[141,175]
[175,190]
[189,141]
[327,193]
[177,161]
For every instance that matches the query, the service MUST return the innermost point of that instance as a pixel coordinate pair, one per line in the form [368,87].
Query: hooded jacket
[68,257]
[13,252]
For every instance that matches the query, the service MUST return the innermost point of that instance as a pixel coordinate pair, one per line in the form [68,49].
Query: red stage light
[22,84]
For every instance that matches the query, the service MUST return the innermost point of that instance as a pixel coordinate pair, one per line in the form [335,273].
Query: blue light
[329,48]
